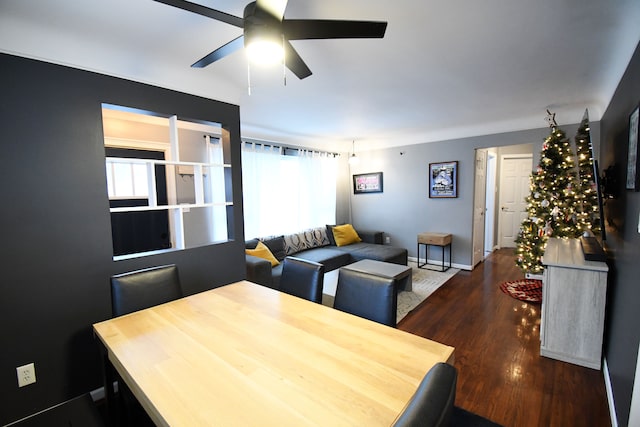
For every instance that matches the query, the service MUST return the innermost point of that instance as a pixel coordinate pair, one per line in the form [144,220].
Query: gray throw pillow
[332,240]
[276,246]
[251,244]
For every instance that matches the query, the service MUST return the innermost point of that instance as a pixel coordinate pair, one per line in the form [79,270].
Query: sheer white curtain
[286,194]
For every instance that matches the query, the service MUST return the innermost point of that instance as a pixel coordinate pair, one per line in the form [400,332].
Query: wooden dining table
[247,355]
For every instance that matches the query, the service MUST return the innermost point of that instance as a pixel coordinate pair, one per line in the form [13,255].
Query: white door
[514,187]
[479,206]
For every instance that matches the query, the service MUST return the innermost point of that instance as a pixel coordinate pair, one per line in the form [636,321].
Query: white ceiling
[445,69]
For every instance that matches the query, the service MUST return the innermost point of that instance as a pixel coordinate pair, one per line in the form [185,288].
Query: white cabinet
[573,304]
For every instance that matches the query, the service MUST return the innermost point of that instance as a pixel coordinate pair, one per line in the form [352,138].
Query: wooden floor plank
[497,340]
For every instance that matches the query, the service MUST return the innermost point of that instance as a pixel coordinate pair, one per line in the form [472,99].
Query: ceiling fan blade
[305,29]
[205,11]
[221,52]
[274,7]
[294,62]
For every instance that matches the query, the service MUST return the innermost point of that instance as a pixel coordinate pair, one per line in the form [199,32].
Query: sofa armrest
[367,236]
[258,270]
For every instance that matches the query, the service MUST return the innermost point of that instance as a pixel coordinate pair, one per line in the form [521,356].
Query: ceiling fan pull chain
[284,74]
[249,77]
[284,62]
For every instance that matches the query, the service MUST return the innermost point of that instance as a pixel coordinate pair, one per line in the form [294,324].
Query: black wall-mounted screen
[596,177]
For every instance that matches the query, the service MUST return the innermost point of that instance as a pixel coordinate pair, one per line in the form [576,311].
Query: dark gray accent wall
[623,244]
[56,250]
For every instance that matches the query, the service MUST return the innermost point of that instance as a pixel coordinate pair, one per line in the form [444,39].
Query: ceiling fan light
[265,51]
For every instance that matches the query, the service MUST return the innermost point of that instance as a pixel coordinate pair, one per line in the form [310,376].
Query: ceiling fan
[264,21]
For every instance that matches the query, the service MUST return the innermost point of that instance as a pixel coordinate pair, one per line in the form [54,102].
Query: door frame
[479,205]
[490,202]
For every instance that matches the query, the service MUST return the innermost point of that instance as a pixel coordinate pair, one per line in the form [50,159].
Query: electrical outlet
[26,374]
[387,240]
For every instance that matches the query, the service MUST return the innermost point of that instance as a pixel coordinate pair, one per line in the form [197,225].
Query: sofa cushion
[386,253]
[307,239]
[318,237]
[251,244]
[276,273]
[345,235]
[365,235]
[259,270]
[262,251]
[329,256]
[332,240]
[276,246]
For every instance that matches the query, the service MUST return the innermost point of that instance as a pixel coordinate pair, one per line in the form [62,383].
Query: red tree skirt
[528,290]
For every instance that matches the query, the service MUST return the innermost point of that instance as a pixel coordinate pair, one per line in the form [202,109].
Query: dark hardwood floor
[501,374]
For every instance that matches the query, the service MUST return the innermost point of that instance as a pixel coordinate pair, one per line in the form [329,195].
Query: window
[166,182]
[126,180]
[286,193]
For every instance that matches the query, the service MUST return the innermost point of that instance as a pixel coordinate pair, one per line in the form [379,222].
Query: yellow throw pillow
[345,235]
[262,251]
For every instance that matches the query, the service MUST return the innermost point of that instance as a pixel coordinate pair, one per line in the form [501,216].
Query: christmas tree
[587,196]
[551,205]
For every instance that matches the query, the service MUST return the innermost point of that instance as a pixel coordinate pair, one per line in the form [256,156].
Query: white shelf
[168,207]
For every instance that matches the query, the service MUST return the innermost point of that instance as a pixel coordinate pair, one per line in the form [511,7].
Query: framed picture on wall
[632,159]
[367,183]
[443,179]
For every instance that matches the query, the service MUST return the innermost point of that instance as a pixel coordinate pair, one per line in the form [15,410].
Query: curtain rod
[284,147]
[275,145]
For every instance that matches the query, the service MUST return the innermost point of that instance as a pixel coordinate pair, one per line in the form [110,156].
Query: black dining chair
[133,291]
[302,278]
[137,290]
[432,403]
[367,295]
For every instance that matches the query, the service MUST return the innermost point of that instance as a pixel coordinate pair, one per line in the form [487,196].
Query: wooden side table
[434,239]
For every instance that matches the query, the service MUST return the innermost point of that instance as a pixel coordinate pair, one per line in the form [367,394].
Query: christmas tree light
[552,203]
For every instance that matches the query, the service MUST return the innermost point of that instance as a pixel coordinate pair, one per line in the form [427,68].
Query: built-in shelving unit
[197,196]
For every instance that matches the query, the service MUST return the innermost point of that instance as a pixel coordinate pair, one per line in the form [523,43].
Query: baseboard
[98,394]
[79,411]
[607,384]
[439,262]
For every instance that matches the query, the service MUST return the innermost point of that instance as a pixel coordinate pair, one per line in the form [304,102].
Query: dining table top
[244,354]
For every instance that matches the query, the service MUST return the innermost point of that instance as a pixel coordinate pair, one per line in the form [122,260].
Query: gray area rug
[425,282]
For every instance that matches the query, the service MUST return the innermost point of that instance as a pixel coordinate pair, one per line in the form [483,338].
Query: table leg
[426,256]
[112,402]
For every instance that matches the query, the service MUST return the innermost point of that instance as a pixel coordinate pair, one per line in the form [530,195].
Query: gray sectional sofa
[318,245]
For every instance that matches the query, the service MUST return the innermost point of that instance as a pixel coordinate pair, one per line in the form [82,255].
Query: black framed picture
[443,179]
[367,183]
[632,159]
